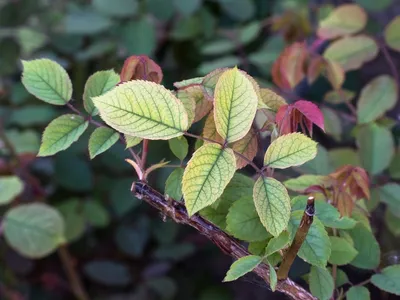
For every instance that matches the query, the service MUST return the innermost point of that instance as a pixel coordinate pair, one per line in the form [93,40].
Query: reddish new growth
[344,187]
[141,67]
[301,113]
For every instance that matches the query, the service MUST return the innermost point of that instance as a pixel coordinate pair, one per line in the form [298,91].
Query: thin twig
[299,238]
[145,150]
[251,163]
[229,245]
[73,276]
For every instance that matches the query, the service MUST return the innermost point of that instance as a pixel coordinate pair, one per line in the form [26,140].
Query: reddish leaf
[354,179]
[288,70]
[345,204]
[141,67]
[301,113]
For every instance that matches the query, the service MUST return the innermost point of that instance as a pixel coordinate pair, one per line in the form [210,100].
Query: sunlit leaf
[207,174]
[344,20]
[243,221]
[242,266]
[61,133]
[301,183]
[101,140]
[352,52]
[272,203]
[235,105]
[132,141]
[34,230]
[377,97]
[47,80]
[290,150]
[96,85]
[143,109]
[271,99]
[10,187]
[388,280]
[392,34]
[321,283]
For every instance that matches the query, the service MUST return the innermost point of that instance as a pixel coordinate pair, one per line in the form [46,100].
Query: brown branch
[299,238]
[73,277]
[229,245]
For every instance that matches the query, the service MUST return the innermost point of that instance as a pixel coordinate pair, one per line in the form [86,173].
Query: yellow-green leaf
[351,52]
[272,99]
[344,20]
[101,140]
[242,266]
[132,141]
[302,182]
[290,150]
[235,105]
[10,187]
[392,34]
[377,97]
[189,104]
[34,230]
[96,85]
[143,109]
[207,174]
[61,133]
[272,203]
[47,80]
[246,146]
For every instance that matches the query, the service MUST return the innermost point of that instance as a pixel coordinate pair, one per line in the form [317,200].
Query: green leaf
[10,187]
[61,133]
[132,141]
[277,243]
[235,105]
[173,184]
[96,85]
[290,150]
[341,277]
[187,82]
[34,230]
[179,147]
[47,80]
[73,172]
[392,35]
[325,212]
[242,266]
[243,221]
[392,222]
[382,90]
[143,109]
[321,283]
[394,168]
[333,123]
[344,156]
[320,165]
[316,248]
[344,20]
[139,37]
[358,293]
[376,147]
[96,214]
[107,272]
[86,22]
[389,193]
[368,248]
[72,212]
[272,203]
[342,251]
[101,140]
[186,7]
[302,182]
[273,278]
[30,40]
[374,5]
[119,8]
[240,10]
[388,280]
[351,52]
[32,115]
[207,174]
